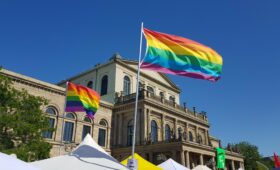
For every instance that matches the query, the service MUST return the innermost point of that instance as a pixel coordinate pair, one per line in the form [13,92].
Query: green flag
[261,166]
[221,158]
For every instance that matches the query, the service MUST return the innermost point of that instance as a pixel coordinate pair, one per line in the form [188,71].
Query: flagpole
[62,131]
[132,166]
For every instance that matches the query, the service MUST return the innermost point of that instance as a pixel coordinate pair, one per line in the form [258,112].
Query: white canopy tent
[170,164]
[88,155]
[201,167]
[8,162]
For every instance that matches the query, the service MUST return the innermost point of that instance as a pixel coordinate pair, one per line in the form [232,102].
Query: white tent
[201,167]
[8,162]
[170,164]
[88,155]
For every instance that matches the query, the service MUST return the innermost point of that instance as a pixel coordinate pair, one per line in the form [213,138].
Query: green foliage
[251,154]
[22,122]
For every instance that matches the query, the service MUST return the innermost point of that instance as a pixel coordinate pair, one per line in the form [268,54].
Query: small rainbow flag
[180,56]
[80,99]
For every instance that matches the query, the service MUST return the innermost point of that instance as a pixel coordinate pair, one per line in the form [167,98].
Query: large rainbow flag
[180,56]
[80,99]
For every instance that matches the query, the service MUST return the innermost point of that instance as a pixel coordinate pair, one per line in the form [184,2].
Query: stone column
[144,130]
[201,159]
[186,130]
[108,137]
[207,137]
[115,130]
[196,133]
[148,123]
[162,127]
[187,157]
[241,165]
[232,164]
[175,128]
[120,129]
[182,158]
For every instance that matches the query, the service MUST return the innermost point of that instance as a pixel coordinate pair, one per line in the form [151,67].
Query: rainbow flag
[180,56]
[80,99]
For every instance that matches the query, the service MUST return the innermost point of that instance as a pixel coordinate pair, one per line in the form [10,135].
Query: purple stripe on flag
[158,68]
[74,109]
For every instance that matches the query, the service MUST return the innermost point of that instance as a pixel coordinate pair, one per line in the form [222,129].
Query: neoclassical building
[165,129]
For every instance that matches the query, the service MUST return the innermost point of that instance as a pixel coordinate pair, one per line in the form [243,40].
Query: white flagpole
[62,131]
[132,166]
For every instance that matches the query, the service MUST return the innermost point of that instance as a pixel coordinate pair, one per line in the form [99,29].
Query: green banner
[221,158]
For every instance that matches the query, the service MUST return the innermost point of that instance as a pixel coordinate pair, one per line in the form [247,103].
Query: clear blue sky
[53,40]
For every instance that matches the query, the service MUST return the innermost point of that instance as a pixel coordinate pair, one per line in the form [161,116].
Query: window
[167,133]
[154,134]
[104,85]
[51,112]
[101,137]
[172,98]
[49,134]
[86,119]
[129,132]
[90,85]
[161,94]
[180,133]
[102,133]
[150,89]
[68,131]
[68,128]
[70,116]
[191,136]
[126,86]
[86,130]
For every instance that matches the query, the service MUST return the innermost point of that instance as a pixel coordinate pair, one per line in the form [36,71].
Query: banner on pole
[221,158]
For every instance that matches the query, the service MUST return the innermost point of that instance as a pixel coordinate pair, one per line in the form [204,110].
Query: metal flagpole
[133,165]
[62,131]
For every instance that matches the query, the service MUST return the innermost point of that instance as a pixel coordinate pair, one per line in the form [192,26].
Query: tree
[22,123]
[251,154]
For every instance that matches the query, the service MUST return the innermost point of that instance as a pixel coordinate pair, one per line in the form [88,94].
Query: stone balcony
[161,101]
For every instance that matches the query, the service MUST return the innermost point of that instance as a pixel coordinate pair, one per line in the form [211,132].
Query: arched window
[69,127]
[150,89]
[102,133]
[51,112]
[167,133]
[90,85]
[191,136]
[104,85]
[86,127]
[86,119]
[129,132]
[126,85]
[70,116]
[154,133]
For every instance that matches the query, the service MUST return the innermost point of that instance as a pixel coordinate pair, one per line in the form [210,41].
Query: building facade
[165,129]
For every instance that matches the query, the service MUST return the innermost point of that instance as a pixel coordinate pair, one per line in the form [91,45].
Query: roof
[88,155]
[170,164]
[143,164]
